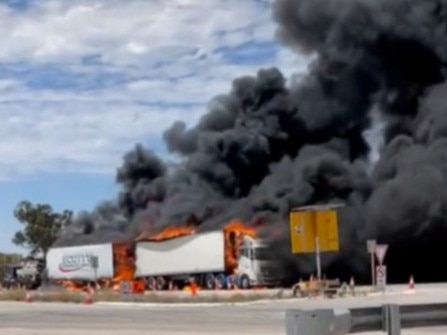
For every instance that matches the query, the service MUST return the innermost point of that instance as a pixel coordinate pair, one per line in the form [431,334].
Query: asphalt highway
[19,318]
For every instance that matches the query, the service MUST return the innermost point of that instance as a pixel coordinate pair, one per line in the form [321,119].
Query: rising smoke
[367,126]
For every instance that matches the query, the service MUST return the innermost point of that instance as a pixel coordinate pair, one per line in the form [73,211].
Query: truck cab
[256,264]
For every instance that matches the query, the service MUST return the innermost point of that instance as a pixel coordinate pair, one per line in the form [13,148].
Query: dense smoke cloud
[267,146]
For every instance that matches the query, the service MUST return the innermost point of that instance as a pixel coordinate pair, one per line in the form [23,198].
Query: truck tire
[151,284]
[230,282]
[160,283]
[245,282]
[221,281]
[210,282]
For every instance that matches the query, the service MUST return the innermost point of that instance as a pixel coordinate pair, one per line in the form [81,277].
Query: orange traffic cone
[411,283]
[352,286]
[88,300]
[193,287]
[28,297]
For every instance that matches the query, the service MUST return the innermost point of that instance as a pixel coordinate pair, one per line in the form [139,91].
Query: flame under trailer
[223,258]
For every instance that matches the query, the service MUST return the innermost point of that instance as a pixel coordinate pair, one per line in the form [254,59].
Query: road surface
[18,318]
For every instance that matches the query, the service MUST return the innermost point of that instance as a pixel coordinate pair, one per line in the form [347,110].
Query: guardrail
[389,319]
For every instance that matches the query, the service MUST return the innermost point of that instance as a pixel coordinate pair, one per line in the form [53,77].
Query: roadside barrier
[390,319]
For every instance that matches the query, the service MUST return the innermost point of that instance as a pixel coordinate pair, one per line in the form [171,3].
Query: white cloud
[64,137]
[81,81]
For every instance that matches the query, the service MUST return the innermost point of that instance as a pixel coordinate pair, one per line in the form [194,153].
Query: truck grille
[270,275]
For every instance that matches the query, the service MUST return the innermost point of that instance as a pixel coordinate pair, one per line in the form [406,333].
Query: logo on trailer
[75,262]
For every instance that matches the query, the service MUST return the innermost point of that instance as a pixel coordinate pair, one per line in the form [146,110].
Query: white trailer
[204,256]
[189,254]
[75,263]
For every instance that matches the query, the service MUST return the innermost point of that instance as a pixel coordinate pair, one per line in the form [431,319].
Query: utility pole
[371,247]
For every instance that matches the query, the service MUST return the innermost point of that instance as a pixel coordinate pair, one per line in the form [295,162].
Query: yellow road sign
[327,230]
[302,231]
[306,225]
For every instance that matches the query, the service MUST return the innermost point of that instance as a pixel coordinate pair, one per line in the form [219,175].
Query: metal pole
[317,246]
[317,249]
[392,320]
[373,271]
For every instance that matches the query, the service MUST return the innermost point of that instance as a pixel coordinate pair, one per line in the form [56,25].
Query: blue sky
[82,81]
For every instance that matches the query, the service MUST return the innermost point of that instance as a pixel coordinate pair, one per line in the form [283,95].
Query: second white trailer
[191,254]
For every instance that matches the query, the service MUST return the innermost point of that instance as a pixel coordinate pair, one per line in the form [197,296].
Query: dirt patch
[174,297]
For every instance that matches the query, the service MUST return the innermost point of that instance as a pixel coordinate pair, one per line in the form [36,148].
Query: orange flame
[237,226]
[124,270]
[167,233]
[124,262]
[234,233]
[72,286]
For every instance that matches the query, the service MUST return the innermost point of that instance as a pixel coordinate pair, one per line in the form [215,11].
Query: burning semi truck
[171,258]
[215,259]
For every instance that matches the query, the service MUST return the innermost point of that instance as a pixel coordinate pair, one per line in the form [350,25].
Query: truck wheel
[245,282]
[210,281]
[230,282]
[150,283]
[221,281]
[160,283]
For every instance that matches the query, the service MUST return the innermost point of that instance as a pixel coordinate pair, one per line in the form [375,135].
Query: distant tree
[41,225]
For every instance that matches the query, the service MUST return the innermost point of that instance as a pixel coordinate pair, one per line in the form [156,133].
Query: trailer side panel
[198,253]
[74,263]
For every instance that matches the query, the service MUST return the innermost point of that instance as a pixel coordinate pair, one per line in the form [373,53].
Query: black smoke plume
[376,88]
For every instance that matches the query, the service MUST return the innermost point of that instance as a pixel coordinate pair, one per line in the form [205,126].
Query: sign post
[380,251]
[125,290]
[381,277]
[371,247]
[314,229]
[94,262]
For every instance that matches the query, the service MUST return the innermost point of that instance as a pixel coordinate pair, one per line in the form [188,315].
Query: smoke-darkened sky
[366,126]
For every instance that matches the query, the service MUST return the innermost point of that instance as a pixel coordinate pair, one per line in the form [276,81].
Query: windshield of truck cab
[262,254]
